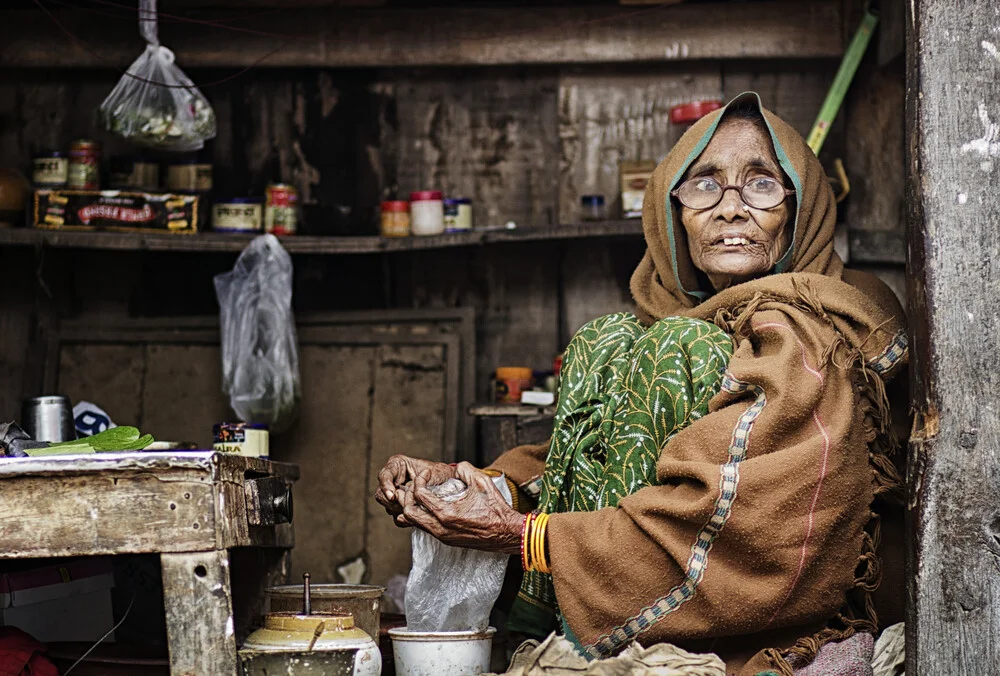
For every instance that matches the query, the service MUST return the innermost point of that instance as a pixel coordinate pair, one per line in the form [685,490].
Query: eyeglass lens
[705,193]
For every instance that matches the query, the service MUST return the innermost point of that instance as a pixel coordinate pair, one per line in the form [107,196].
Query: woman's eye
[706,185]
[763,185]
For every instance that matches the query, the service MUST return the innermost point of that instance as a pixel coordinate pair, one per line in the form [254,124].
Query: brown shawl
[761,529]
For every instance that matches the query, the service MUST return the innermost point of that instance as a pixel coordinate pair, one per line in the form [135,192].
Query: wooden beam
[953,473]
[456,37]
[312,244]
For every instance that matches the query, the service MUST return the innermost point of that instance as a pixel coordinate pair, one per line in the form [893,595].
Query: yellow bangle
[543,563]
[536,543]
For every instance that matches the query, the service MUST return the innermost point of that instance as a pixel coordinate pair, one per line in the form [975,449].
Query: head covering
[666,281]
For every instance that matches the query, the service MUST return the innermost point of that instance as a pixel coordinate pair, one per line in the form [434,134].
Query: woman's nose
[731,207]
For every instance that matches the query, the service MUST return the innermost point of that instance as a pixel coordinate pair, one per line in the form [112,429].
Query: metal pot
[310,645]
[362,601]
[48,418]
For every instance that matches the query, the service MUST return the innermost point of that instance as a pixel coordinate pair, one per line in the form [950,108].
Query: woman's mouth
[732,241]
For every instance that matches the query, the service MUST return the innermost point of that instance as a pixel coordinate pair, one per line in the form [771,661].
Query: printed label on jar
[83,176]
[50,171]
[236,217]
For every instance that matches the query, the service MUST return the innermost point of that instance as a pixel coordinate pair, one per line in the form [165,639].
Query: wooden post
[953,473]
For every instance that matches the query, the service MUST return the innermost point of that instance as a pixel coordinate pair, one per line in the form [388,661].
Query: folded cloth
[849,657]
[556,656]
[22,655]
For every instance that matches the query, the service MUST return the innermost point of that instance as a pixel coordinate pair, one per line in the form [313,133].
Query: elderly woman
[717,457]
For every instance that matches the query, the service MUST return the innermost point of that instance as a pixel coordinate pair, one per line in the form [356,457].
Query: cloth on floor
[22,655]
[849,657]
[890,652]
[556,656]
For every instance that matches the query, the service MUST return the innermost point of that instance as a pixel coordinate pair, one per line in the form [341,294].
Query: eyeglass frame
[726,188]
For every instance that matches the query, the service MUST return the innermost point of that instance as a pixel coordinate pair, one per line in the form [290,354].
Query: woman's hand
[481,519]
[397,471]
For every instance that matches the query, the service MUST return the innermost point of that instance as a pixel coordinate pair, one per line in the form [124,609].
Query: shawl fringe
[859,614]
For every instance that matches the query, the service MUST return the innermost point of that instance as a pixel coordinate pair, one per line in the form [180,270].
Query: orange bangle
[525,553]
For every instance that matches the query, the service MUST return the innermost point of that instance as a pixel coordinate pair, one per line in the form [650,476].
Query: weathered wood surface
[460,36]
[404,419]
[488,136]
[617,114]
[953,90]
[132,503]
[214,242]
[198,600]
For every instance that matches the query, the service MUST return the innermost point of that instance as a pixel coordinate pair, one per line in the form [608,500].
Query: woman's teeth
[734,241]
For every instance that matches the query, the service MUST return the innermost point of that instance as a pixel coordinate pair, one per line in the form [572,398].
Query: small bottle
[592,208]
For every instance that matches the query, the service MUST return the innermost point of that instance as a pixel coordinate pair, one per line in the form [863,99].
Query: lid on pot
[316,632]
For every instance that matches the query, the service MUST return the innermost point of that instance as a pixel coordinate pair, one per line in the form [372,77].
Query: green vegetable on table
[116,439]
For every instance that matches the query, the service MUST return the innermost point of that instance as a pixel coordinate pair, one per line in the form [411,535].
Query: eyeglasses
[702,192]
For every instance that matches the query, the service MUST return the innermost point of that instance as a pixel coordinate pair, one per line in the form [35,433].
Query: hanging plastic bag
[260,361]
[451,588]
[155,104]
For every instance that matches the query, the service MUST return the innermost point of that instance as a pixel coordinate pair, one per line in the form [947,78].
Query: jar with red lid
[395,218]
[427,212]
[689,113]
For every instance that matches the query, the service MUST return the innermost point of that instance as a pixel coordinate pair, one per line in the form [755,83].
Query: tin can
[281,209]
[189,176]
[84,172]
[249,439]
[395,218]
[511,381]
[237,214]
[50,170]
[134,173]
[457,215]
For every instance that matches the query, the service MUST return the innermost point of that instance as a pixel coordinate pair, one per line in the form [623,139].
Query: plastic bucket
[441,653]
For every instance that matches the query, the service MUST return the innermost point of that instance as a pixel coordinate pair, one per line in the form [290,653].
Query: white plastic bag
[260,361]
[451,588]
[155,104]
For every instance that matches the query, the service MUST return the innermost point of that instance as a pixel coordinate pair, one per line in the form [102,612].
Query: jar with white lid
[426,212]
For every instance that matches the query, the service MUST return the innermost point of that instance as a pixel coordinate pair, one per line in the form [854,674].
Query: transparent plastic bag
[155,104]
[260,361]
[451,588]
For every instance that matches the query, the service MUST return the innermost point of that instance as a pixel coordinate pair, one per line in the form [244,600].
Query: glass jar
[592,208]
[426,212]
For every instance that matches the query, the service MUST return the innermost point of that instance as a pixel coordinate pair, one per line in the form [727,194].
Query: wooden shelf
[322,37]
[217,242]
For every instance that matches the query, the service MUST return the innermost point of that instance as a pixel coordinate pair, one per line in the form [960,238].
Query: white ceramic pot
[441,653]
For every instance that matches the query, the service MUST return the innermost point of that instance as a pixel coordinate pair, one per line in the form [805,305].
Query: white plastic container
[441,653]
[426,212]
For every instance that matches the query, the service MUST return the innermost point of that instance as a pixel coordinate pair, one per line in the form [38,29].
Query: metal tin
[50,170]
[457,215]
[48,418]
[134,173]
[281,209]
[238,214]
[249,439]
[84,171]
[395,218]
[189,176]
[362,601]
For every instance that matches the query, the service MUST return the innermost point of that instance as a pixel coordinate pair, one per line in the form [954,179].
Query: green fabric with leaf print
[626,390]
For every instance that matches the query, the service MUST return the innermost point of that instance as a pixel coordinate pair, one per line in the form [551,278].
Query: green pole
[848,67]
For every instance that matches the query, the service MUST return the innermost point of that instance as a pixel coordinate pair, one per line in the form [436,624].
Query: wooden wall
[524,142]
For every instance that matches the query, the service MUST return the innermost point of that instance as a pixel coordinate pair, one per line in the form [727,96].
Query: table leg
[198,601]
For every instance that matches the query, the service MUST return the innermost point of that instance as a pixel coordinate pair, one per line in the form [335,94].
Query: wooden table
[191,508]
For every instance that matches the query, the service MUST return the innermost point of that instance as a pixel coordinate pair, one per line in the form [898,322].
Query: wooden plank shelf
[311,244]
[327,37]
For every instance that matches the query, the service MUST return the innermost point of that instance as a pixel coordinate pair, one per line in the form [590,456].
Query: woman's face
[739,151]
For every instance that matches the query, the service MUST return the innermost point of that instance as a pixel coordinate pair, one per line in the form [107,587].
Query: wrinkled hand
[481,519]
[400,469]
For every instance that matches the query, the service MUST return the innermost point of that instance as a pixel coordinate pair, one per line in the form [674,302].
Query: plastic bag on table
[155,104]
[451,588]
[260,361]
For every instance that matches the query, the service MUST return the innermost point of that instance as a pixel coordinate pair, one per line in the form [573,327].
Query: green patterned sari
[626,390]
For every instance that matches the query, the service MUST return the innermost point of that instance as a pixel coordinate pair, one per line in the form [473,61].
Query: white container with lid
[426,212]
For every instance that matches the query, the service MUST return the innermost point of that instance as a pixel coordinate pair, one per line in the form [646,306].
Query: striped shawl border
[729,477]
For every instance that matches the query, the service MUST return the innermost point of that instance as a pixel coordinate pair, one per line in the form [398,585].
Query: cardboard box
[116,210]
[66,602]
[634,178]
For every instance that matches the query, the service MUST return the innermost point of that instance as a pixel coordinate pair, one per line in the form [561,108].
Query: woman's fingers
[392,474]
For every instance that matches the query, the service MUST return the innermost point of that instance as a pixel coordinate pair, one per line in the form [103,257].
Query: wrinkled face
[733,242]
